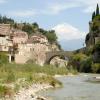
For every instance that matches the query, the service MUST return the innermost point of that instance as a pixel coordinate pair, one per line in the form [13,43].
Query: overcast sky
[69,18]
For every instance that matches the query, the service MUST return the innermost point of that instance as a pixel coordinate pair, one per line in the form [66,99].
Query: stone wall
[56,61]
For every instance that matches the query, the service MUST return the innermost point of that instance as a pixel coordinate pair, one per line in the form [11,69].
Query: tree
[93,15]
[51,36]
[97,10]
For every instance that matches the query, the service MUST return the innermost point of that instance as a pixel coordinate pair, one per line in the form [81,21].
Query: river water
[75,88]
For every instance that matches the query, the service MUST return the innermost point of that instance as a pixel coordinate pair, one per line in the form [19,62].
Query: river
[75,88]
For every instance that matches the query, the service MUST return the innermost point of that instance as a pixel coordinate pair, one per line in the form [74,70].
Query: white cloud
[53,7]
[88,5]
[56,8]
[66,32]
[24,13]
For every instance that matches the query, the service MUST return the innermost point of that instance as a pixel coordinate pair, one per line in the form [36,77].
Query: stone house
[24,53]
[5,41]
[19,37]
[38,38]
[34,49]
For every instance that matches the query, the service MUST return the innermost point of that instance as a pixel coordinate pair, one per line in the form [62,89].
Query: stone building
[34,49]
[58,62]
[24,53]
[5,41]
[38,38]
[19,37]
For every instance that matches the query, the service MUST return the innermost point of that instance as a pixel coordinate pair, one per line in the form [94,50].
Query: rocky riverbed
[30,93]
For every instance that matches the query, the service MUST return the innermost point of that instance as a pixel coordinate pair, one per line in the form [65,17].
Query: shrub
[96,68]
[85,65]
[97,46]
[4,90]
[3,58]
[11,77]
[76,60]
[16,88]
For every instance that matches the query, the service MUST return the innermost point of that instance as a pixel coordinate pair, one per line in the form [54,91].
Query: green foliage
[90,50]
[96,68]
[87,38]
[51,36]
[4,90]
[5,20]
[97,10]
[85,65]
[97,47]
[16,88]
[79,57]
[30,28]
[93,15]
[3,58]
[10,77]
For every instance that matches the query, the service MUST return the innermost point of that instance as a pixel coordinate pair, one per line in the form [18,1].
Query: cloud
[56,8]
[87,6]
[67,32]
[90,5]
[24,13]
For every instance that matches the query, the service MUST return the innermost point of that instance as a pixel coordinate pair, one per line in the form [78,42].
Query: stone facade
[97,39]
[39,53]
[19,37]
[58,62]
[34,49]
[22,48]
[37,38]
[5,41]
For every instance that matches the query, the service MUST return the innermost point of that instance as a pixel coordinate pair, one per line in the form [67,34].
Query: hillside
[87,59]
[31,28]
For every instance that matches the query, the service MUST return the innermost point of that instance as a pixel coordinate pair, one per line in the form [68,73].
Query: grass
[24,75]
[20,70]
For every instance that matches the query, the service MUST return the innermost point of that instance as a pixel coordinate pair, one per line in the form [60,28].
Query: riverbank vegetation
[87,59]
[15,76]
[84,63]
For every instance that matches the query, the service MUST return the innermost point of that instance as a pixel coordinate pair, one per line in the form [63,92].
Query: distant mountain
[72,44]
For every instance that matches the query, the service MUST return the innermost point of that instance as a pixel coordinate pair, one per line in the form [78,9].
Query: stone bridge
[51,55]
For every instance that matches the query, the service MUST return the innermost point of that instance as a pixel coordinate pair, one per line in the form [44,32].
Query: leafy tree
[3,58]
[27,28]
[96,68]
[51,35]
[97,10]
[93,15]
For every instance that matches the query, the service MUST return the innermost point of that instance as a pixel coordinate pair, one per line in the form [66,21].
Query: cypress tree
[97,10]
[93,15]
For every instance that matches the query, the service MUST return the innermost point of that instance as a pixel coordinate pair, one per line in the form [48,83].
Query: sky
[69,18]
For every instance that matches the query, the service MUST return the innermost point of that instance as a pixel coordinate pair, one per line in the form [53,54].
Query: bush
[97,47]
[3,58]
[11,77]
[76,60]
[96,68]
[85,65]
[4,90]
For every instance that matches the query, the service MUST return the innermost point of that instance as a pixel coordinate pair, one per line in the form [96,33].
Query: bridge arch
[51,55]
